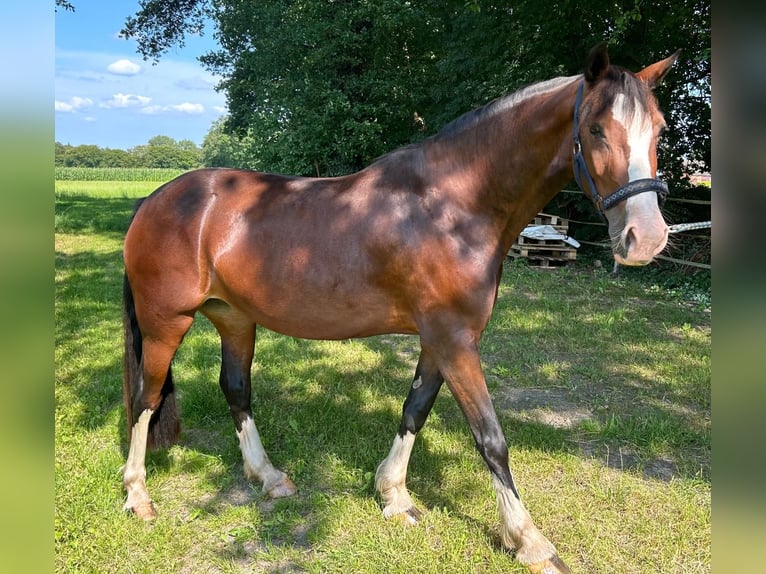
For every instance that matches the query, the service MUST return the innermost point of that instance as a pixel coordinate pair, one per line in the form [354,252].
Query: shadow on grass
[88,335]
[83,214]
[329,424]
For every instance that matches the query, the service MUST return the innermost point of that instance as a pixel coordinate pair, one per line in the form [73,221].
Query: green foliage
[223,149]
[323,87]
[694,288]
[159,152]
[161,24]
[65,5]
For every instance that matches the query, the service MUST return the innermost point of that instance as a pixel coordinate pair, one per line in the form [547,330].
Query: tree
[84,156]
[160,151]
[222,149]
[323,87]
[65,5]
[165,152]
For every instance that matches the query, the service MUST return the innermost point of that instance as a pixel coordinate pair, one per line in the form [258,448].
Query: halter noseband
[622,193]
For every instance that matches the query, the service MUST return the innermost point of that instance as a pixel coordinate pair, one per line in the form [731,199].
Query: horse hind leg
[147,374]
[391,475]
[237,350]
[134,472]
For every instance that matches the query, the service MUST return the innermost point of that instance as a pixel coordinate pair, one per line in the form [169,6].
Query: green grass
[97,206]
[602,387]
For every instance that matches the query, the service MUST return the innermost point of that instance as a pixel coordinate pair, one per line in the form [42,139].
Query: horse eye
[595,130]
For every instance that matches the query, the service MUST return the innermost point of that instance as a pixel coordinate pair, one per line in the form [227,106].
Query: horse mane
[501,104]
[622,82]
[474,117]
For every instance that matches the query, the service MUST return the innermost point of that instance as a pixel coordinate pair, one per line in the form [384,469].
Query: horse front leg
[461,367]
[391,475]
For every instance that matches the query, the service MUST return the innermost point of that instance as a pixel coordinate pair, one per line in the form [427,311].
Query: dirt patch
[625,458]
[559,409]
[547,406]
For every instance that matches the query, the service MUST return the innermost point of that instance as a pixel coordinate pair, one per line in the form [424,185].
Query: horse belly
[309,316]
[314,305]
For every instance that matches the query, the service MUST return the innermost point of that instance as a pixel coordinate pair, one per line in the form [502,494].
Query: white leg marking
[134,474]
[257,463]
[518,532]
[391,477]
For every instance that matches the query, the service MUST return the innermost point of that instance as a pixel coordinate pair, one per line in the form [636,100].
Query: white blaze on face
[639,130]
[638,127]
[640,230]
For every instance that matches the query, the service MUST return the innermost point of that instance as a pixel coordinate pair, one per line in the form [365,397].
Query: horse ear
[654,74]
[598,63]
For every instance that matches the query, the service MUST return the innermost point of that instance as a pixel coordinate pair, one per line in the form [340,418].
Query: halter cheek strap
[622,193]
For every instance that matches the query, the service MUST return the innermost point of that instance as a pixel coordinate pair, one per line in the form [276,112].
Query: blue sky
[107,95]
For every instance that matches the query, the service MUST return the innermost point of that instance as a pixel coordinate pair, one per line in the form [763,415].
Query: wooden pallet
[561,251]
[542,261]
[545,252]
[558,223]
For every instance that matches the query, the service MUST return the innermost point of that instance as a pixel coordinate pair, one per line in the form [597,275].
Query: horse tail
[165,426]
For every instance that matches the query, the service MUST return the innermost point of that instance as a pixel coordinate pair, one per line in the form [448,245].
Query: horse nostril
[631,237]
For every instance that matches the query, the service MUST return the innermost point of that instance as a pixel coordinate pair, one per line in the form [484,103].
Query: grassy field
[602,387]
[114,174]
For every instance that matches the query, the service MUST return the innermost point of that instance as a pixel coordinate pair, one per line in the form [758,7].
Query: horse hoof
[284,487]
[553,565]
[413,515]
[408,517]
[144,511]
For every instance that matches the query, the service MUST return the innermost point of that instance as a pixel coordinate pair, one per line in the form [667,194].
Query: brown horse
[414,243]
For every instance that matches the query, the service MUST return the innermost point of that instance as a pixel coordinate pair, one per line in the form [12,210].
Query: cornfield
[116,173]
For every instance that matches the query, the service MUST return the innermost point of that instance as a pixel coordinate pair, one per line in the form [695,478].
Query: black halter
[622,193]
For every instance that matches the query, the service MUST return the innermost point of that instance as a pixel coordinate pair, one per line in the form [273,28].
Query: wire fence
[677,228]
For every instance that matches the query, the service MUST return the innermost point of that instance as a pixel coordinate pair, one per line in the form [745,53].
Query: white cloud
[188,108]
[75,103]
[220,109]
[124,68]
[185,108]
[125,101]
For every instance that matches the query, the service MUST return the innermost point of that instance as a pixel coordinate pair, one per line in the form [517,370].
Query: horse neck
[513,161]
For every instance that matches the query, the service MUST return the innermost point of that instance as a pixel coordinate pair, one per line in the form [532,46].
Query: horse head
[616,129]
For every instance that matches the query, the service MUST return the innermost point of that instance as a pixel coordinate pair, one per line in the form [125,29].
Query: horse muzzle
[644,235]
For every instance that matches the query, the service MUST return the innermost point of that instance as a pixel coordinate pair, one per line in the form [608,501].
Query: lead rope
[679,227]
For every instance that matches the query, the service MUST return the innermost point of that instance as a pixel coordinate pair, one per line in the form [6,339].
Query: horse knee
[420,400]
[412,422]
[494,450]
[234,381]
[236,389]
